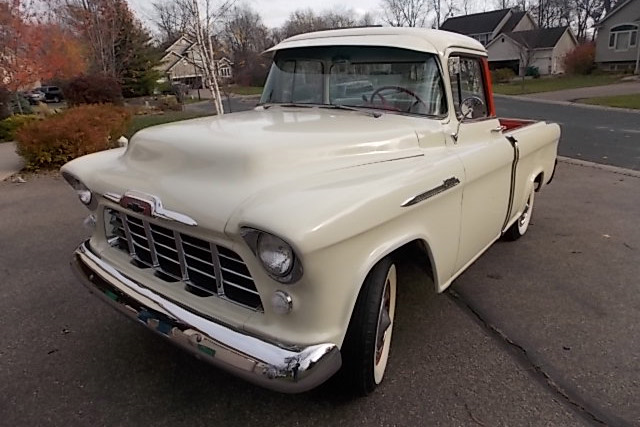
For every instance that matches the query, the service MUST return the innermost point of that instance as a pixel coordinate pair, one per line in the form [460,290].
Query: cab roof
[419,39]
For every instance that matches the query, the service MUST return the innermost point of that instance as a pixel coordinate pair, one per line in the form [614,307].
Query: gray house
[513,40]
[182,63]
[485,26]
[617,44]
[543,48]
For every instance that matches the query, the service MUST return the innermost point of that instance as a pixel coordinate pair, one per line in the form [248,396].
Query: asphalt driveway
[543,331]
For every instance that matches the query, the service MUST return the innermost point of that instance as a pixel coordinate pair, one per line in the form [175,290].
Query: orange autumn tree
[61,54]
[32,49]
[19,62]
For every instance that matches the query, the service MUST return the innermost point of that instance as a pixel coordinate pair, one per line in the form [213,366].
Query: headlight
[276,256]
[84,194]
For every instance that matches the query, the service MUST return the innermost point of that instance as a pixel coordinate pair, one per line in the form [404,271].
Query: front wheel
[521,226]
[366,347]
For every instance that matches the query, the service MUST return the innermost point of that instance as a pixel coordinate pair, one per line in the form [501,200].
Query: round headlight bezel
[82,191]
[272,252]
[289,275]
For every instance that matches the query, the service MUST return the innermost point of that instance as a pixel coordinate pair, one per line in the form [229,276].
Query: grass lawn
[620,101]
[141,122]
[554,83]
[245,90]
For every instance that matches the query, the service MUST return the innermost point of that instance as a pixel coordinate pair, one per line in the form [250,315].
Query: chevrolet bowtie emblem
[140,206]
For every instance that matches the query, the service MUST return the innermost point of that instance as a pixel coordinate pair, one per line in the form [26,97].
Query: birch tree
[205,19]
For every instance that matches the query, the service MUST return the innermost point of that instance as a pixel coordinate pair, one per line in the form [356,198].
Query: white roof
[420,39]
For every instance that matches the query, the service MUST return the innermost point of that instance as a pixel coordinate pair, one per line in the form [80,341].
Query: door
[487,157]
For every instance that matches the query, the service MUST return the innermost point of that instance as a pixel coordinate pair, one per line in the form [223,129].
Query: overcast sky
[275,12]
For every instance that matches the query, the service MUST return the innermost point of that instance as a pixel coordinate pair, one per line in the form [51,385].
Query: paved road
[599,135]
[565,312]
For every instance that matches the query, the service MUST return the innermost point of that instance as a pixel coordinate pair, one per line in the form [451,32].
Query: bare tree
[553,13]
[436,5]
[466,6]
[340,17]
[244,31]
[451,8]
[170,19]
[586,13]
[526,53]
[367,20]
[98,22]
[306,20]
[302,21]
[405,13]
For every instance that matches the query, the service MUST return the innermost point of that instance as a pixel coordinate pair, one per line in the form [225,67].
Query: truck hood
[205,168]
[271,141]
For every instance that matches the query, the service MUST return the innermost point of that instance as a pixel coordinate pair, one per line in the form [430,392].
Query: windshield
[381,78]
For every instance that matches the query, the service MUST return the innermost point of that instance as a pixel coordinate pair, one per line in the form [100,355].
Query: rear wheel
[368,340]
[521,226]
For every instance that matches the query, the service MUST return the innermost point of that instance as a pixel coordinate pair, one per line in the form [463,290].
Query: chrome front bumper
[287,369]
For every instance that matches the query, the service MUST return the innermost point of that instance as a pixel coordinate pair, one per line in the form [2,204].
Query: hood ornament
[148,205]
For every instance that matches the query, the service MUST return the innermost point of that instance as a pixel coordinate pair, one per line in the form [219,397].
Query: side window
[467,86]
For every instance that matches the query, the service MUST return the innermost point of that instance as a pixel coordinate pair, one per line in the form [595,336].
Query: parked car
[51,93]
[35,96]
[266,242]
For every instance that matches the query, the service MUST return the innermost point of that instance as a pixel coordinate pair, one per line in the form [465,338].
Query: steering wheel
[397,89]
[468,105]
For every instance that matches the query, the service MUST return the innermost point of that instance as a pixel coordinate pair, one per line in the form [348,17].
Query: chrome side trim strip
[288,369]
[514,166]
[446,185]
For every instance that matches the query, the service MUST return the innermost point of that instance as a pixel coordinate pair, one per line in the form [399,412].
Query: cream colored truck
[265,242]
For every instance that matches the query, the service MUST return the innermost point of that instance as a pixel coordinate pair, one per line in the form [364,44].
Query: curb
[607,168]
[565,103]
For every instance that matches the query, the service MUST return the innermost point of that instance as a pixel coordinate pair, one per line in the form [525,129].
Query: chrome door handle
[498,129]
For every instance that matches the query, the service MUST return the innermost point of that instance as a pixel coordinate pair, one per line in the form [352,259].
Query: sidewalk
[571,95]
[10,162]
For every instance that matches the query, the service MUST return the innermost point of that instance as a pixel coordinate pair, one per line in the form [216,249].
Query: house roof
[476,23]
[540,38]
[615,9]
[513,21]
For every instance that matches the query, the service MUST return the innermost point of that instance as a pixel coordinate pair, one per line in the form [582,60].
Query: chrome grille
[205,268]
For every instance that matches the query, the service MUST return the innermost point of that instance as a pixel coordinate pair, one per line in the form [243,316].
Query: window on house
[623,37]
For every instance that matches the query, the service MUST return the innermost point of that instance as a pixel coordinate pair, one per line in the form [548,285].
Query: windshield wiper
[350,108]
[287,105]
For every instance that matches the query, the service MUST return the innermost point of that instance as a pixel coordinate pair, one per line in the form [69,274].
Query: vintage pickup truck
[266,242]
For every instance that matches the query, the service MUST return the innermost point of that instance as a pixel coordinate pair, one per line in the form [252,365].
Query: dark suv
[51,93]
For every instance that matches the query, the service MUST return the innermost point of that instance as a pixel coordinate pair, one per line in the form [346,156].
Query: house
[485,26]
[182,63]
[543,48]
[617,44]
[513,40]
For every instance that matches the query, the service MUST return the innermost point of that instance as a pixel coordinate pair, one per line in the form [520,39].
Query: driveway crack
[573,400]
